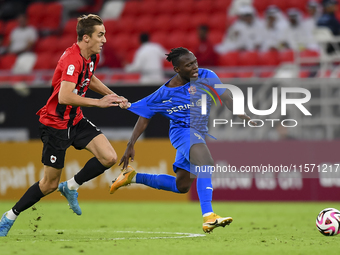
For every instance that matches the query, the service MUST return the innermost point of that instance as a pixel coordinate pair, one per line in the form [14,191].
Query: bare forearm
[227,100]
[139,128]
[97,86]
[75,100]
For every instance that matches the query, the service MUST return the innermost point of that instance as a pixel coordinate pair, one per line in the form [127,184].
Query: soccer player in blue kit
[179,99]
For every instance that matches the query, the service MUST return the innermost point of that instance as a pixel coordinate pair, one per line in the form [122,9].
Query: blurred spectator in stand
[22,40]
[296,36]
[148,60]
[328,19]
[23,37]
[244,33]
[3,48]
[204,52]
[314,12]
[272,31]
[281,20]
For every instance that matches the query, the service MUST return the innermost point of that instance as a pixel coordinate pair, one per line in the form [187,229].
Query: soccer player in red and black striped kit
[63,123]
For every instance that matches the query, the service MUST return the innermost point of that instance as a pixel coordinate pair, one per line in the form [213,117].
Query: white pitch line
[179,235]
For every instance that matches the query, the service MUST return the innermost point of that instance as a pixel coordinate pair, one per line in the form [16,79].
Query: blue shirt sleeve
[213,79]
[141,108]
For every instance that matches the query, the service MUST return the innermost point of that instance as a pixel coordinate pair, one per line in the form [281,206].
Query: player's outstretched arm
[139,128]
[67,96]
[98,86]
[228,101]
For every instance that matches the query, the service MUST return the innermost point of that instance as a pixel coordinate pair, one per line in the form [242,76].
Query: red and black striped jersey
[72,67]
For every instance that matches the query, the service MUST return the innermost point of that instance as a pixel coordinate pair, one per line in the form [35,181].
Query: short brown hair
[85,25]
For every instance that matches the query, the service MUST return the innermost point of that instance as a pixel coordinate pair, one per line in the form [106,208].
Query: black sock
[92,169]
[32,196]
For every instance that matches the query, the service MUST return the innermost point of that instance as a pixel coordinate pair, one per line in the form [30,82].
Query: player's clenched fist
[124,104]
[110,100]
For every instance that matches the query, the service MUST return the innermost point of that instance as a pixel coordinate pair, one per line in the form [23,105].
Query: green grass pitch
[167,228]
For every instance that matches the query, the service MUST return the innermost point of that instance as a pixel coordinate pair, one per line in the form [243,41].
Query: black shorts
[56,141]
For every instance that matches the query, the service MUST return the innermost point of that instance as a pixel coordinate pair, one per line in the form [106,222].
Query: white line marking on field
[178,236]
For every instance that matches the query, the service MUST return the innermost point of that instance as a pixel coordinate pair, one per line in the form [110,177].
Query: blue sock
[158,181]
[204,191]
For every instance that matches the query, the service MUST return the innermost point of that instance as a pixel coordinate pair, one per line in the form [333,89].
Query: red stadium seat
[218,21]
[215,36]
[304,74]
[43,61]
[269,58]
[167,64]
[301,4]
[229,59]
[9,26]
[249,58]
[286,56]
[176,39]
[223,75]
[182,22]
[36,13]
[281,4]
[185,6]
[261,5]
[47,45]
[92,7]
[203,6]
[198,19]
[160,37]
[132,8]
[192,40]
[309,54]
[163,23]
[110,26]
[220,5]
[126,24]
[64,43]
[53,16]
[149,8]
[123,42]
[7,61]
[246,74]
[144,23]
[166,7]
[70,28]
[266,74]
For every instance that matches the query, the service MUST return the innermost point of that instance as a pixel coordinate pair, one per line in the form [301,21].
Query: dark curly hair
[175,54]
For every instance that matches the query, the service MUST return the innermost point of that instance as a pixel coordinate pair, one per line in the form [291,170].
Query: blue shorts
[182,139]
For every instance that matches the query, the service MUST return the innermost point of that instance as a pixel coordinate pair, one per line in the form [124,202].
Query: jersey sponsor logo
[167,101]
[53,159]
[192,90]
[91,65]
[180,108]
[70,70]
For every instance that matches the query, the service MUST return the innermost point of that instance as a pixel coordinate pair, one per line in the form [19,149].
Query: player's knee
[202,161]
[50,187]
[183,187]
[109,161]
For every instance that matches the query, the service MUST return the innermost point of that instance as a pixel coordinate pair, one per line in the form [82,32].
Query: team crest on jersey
[70,70]
[53,158]
[91,66]
[192,90]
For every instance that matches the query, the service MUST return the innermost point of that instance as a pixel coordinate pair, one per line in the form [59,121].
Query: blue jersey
[182,105]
